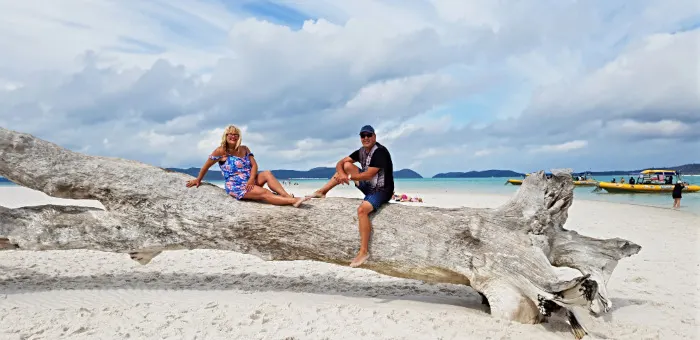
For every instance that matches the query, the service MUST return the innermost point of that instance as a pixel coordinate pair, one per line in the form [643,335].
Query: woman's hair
[224,140]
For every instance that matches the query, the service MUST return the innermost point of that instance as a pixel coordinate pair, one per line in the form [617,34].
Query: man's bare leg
[363,212]
[349,168]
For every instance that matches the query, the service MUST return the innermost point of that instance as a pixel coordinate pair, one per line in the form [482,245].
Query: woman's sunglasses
[366,135]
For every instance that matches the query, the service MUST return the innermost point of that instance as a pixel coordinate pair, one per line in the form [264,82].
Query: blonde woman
[240,172]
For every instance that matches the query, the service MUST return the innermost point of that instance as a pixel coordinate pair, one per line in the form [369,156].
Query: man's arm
[340,166]
[352,158]
[363,176]
[340,169]
[378,162]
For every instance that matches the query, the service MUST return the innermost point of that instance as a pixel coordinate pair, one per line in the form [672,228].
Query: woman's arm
[205,168]
[213,158]
[253,165]
[252,181]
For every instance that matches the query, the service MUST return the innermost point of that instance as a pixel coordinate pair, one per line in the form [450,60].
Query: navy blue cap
[367,128]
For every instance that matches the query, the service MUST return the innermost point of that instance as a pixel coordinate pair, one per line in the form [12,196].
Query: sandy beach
[206,294]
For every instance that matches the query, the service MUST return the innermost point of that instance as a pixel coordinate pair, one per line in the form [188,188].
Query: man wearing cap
[375,179]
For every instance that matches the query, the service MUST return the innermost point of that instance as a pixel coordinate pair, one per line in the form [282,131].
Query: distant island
[480,174]
[686,169]
[315,173]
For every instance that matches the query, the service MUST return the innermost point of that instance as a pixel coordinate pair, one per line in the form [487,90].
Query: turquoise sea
[495,185]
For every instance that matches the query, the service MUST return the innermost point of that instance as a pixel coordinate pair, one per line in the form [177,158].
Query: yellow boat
[649,181]
[586,183]
[515,181]
[585,180]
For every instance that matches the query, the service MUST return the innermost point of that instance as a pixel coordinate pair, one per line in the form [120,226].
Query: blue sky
[449,86]
[274,12]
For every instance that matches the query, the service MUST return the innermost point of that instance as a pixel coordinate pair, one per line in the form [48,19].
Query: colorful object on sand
[406,198]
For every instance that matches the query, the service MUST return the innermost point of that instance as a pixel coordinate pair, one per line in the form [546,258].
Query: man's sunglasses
[366,135]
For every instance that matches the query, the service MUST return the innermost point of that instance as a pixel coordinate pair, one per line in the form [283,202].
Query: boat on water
[648,181]
[582,179]
[514,181]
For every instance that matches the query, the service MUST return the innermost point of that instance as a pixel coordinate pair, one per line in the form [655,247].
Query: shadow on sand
[22,280]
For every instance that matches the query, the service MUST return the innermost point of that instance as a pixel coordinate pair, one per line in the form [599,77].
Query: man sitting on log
[375,179]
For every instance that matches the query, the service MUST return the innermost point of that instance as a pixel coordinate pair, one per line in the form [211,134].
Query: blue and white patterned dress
[236,171]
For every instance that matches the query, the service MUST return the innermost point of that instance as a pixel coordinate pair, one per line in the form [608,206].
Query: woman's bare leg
[272,182]
[261,194]
[349,168]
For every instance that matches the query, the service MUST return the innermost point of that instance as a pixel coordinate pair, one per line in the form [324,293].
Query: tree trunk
[506,253]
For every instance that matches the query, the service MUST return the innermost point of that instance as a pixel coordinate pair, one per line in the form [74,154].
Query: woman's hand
[250,185]
[194,182]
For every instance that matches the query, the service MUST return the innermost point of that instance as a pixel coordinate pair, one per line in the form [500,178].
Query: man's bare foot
[143,257]
[300,200]
[359,260]
[316,194]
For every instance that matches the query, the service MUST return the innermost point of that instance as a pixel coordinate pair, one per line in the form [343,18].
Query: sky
[448,85]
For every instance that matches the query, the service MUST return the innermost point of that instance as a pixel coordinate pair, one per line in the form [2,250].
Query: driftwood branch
[508,253]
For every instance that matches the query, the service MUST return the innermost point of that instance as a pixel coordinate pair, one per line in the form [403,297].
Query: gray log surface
[506,253]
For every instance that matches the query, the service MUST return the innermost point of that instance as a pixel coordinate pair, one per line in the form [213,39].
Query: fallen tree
[508,254]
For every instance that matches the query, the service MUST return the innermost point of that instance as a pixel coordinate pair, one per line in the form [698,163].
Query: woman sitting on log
[240,172]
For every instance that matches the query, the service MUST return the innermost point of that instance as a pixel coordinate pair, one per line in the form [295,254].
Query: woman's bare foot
[316,194]
[359,260]
[300,200]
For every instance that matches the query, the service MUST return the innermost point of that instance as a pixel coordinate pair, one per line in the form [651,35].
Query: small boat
[514,181]
[520,181]
[649,181]
[583,179]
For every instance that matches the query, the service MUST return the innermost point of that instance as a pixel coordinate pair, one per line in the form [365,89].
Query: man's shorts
[375,198]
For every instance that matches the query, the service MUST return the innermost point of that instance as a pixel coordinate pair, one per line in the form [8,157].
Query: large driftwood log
[508,253]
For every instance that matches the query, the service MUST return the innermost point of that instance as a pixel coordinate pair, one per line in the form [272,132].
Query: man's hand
[342,178]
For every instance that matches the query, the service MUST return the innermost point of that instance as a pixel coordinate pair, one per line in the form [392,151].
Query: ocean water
[496,185]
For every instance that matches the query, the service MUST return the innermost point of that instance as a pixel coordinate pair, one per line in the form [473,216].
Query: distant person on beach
[240,172]
[375,179]
[677,190]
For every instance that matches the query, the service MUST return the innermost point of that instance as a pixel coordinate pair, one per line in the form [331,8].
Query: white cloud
[657,78]
[563,147]
[378,96]
[448,85]
[661,129]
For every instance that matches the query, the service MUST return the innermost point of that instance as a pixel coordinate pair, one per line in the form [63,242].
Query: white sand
[207,294]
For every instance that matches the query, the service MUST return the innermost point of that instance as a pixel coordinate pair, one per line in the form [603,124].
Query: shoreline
[431,197]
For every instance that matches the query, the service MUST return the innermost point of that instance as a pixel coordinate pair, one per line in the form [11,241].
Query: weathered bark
[506,253]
